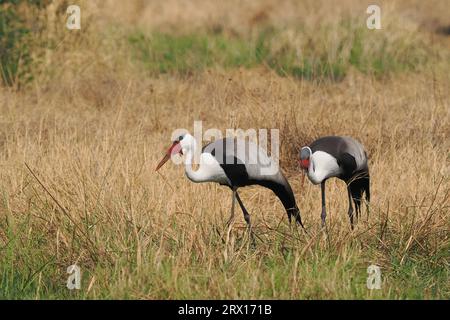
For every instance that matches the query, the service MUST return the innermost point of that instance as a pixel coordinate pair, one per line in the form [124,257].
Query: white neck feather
[194,176]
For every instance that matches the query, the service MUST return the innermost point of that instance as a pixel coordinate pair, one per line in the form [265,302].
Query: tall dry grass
[80,144]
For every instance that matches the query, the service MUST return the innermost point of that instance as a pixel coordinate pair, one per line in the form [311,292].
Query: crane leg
[247,218]
[350,207]
[324,212]
[233,201]
[246,214]
[367,193]
[357,202]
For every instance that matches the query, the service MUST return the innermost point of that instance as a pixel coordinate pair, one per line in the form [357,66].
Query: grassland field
[87,114]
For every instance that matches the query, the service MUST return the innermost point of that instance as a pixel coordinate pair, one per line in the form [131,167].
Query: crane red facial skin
[174,149]
[304,164]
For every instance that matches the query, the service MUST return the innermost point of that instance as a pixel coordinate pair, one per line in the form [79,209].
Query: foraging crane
[343,158]
[235,163]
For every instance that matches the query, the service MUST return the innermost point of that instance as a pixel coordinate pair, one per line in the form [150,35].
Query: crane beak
[174,149]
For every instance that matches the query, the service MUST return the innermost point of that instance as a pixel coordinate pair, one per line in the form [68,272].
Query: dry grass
[93,130]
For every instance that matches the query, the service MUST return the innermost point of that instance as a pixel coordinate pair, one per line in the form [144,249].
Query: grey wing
[231,151]
[337,146]
[223,151]
[259,164]
[356,149]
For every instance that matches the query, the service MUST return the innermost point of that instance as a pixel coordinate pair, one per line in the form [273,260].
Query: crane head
[305,154]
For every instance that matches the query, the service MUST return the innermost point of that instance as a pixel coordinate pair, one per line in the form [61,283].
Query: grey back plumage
[245,163]
[338,146]
[231,151]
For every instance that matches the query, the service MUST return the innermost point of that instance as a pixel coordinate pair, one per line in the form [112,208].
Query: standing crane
[343,158]
[234,163]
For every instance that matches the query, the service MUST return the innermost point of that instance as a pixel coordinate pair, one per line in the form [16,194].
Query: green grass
[15,35]
[14,52]
[327,277]
[189,53]
[29,271]
[163,53]
[277,268]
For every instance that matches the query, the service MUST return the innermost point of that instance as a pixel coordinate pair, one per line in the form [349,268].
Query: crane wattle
[304,163]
